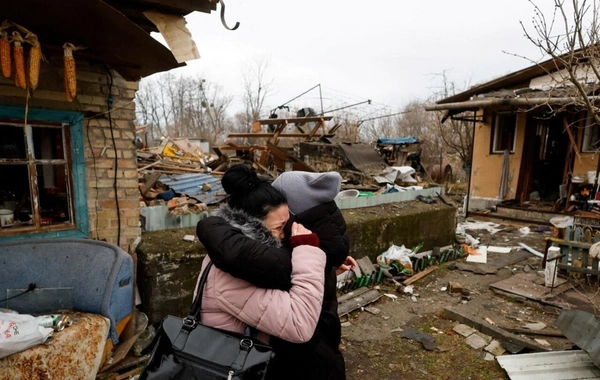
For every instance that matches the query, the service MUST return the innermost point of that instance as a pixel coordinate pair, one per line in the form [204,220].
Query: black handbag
[188,350]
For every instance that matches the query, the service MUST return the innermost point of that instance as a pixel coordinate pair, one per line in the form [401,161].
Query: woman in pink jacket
[261,213]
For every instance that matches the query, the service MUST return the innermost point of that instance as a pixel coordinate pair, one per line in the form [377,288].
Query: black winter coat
[269,267]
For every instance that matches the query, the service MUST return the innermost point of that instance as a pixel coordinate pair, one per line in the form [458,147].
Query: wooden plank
[358,302]
[319,124]
[250,135]
[524,285]
[552,333]
[150,182]
[294,120]
[149,166]
[352,294]
[282,155]
[420,275]
[573,143]
[491,330]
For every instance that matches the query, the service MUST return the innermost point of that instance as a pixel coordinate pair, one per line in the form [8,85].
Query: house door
[544,155]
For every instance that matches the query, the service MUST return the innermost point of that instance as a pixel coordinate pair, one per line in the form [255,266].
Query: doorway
[545,151]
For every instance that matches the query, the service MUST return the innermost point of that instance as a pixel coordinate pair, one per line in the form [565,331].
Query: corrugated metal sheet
[191,185]
[582,329]
[375,200]
[562,365]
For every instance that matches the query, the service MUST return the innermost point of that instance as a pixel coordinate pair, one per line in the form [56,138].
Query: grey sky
[387,50]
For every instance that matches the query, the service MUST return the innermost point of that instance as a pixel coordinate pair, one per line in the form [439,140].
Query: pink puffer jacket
[230,303]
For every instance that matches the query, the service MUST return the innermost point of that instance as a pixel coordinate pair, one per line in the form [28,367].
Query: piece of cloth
[311,239]
[231,303]
[74,353]
[304,190]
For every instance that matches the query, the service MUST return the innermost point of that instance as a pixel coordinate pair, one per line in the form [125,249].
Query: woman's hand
[299,229]
[347,265]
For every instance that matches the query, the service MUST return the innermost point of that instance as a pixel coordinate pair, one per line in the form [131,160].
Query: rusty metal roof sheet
[561,365]
[191,185]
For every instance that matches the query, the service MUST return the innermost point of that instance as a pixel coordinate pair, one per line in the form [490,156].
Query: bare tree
[257,87]
[570,37]
[183,107]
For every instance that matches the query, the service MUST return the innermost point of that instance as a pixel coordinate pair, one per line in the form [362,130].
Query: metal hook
[237,24]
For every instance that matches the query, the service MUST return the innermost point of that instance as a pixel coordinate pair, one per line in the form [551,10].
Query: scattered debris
[475,268]
[495,348]
[475,341]
[413,298]
[426,340]
[478,256]
[455,287]
[489,321]
[525,230]
[543,342]
[531,250]
[549,333]
[494,331]
[365,265]
[494,249]
[537,326]
[346,324]
[582,329]
[393,297]
[191,238]
[373,310]
[488,357]
[408,289]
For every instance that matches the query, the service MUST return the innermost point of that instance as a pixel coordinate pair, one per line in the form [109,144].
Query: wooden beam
[319,124]
[282,155]
[553,333]
[572,138]
[294,120]
[278,131]
[268,135]
[150,182]
[419,275]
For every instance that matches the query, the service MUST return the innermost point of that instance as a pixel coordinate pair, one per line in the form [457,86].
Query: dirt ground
[374,349]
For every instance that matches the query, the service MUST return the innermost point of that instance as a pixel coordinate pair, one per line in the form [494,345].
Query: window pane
[55,206]
[504,136]
[48,143]
[14,190]
[12,143]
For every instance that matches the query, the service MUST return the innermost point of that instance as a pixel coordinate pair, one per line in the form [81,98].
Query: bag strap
[192,317]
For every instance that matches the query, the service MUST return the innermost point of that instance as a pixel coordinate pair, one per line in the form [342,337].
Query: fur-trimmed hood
[250,226]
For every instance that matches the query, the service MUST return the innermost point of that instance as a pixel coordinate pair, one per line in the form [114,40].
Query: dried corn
[19,61]
[70,77]
[35,59]
[5,55]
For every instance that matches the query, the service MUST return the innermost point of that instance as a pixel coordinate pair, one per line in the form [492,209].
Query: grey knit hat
[304,190]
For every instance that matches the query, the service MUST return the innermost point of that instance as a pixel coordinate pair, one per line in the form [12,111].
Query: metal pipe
[481,103]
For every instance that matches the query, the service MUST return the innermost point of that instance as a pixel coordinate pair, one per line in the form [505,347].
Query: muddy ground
[374,349]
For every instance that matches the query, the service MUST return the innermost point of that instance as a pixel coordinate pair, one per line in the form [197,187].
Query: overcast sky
[389,51]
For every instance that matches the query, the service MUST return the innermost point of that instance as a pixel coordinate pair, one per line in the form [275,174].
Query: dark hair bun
[240,179]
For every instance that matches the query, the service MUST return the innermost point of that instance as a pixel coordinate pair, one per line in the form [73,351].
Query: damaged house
[68,161]
[534,144]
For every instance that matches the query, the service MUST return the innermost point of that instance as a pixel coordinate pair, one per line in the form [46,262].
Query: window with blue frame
[42,186]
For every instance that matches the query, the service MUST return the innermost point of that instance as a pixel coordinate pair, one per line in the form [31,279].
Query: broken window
[36,181]
[591,136]
[504,132]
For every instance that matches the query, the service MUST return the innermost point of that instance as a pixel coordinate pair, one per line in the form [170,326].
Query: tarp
[398,141]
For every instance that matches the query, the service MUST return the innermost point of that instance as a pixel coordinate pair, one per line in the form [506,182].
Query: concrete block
[464,330]
[495,348]
[476,342]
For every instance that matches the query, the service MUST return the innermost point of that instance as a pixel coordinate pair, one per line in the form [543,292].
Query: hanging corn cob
[5,55]
[19,61]
[70,78]
[35,59]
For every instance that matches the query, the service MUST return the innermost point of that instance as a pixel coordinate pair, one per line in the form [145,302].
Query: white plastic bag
[18,332]
[398,257]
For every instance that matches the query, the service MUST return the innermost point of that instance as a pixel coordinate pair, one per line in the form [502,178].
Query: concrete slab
[464,330]
[495,348]
[475,341]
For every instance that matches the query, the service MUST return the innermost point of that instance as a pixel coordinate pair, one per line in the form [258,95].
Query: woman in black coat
[310,198]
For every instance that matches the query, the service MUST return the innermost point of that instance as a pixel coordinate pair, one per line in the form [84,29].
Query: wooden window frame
[585,141]
[71,124]
[495,129]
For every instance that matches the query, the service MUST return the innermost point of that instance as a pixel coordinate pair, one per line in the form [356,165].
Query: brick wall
[93,89]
